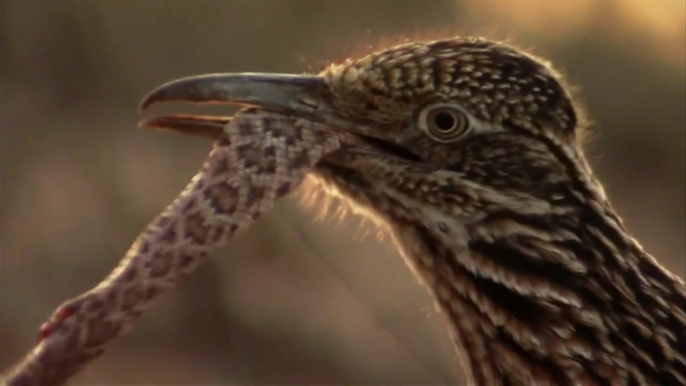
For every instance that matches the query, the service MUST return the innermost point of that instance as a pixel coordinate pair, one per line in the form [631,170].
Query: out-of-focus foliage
[290,301]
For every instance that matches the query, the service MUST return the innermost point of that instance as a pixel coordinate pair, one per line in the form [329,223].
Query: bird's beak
[297,95]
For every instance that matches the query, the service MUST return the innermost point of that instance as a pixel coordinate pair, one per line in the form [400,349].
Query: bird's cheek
[435,155]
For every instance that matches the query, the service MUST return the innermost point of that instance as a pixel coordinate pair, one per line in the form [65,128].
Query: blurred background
[292,300]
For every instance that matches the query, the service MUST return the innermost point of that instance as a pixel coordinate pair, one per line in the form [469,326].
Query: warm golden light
[654,26]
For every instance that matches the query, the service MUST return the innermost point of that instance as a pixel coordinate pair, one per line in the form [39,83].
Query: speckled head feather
[494,82]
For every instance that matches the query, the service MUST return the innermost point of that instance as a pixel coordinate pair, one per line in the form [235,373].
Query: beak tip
[148,101]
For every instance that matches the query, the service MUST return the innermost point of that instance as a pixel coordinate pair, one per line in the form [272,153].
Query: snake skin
[261,157]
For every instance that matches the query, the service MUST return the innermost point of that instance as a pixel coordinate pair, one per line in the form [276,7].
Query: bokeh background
[291,300]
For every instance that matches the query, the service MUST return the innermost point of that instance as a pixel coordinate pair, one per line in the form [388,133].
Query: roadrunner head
[480,111]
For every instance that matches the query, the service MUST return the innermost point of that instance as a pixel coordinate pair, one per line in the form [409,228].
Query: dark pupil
[444,121]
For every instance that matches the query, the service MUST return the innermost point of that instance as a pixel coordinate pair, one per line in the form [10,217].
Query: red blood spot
[56,319]
[45,331]
[66,311]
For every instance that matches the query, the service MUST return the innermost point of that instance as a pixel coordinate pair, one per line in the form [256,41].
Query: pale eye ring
[444,123]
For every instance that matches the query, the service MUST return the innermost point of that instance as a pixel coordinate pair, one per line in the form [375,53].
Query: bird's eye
[444,123]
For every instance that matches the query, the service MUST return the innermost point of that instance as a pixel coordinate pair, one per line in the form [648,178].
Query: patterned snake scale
[260,157]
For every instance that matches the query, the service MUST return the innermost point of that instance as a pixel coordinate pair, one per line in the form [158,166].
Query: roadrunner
[470,153]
